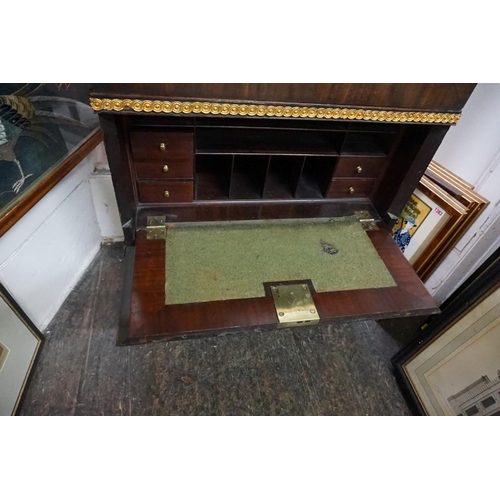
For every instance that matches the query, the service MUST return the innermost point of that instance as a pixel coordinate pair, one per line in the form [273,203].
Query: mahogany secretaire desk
[267,204]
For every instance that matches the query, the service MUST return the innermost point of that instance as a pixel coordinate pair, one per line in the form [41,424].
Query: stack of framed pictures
[437,215]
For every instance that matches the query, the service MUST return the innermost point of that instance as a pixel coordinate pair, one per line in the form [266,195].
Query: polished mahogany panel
[150,319]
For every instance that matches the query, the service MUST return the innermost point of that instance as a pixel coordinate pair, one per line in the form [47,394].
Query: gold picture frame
[448,186]
[452,214]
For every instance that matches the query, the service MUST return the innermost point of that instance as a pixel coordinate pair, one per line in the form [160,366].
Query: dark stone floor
[321,370]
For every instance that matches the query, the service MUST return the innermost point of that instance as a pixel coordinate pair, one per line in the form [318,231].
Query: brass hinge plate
[366,220]
[294,305]
[156,229]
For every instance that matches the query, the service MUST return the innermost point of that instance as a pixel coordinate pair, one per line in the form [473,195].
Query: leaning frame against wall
[20,343]
[451,368]
[435,215]
[465,195]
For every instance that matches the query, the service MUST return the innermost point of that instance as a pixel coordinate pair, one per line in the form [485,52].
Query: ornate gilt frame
[436,176]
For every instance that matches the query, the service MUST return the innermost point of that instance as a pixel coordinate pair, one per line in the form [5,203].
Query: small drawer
[177,168]
[165,192]
[350,188]
[359,166]
[161,144]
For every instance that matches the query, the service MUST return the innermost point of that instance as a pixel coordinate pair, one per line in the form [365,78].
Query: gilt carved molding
[216,108]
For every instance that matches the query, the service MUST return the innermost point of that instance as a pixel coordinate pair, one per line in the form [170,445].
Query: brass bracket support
[366,220]
[294,305]
[156,229]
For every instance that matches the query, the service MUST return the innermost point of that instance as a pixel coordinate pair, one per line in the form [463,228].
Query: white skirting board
[105,205]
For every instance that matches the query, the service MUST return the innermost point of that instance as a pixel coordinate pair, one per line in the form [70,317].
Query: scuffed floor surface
[337,370]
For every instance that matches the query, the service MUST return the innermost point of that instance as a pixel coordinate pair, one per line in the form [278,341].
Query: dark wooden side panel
[114,128]
[424,96]
[151,320]
[407,165]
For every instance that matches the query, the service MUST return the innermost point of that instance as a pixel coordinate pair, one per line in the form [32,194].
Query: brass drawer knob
[351,190]
[166,194]
[165,168]
[163,146]
[359,169]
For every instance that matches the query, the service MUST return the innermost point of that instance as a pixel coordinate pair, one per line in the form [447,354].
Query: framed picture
[425,224]
[464,193]
[20,342]
[45,131]
[453,368]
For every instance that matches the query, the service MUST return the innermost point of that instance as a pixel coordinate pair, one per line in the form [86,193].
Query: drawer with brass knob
[359,166]
[160,153]
[158,170]
[350,188]
[165,192]
[147,143]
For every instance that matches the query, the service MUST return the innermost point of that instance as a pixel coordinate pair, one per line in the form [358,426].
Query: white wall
[44,254]
[472,151]
[469,147]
